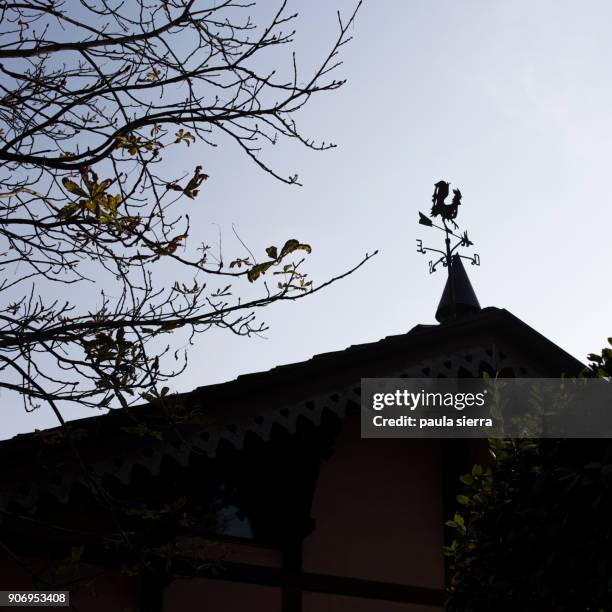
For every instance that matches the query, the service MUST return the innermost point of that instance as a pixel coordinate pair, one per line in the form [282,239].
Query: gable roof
[278,397]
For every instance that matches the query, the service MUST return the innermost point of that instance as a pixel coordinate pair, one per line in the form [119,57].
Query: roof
[279,397]
[458,297]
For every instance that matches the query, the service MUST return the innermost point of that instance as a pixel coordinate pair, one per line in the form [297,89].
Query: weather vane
[448,214]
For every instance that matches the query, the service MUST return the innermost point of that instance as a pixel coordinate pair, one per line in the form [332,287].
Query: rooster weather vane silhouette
[448,214]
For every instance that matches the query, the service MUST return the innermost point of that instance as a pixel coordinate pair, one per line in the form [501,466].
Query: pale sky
[509,101]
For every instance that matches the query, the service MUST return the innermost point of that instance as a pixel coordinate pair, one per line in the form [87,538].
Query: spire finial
[458,297]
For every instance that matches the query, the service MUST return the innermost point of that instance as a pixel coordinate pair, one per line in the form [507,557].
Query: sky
[509,101]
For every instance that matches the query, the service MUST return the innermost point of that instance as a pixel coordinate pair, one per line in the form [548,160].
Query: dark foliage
[534,530]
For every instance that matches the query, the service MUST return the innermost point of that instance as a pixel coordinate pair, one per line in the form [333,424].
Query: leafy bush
[534,529]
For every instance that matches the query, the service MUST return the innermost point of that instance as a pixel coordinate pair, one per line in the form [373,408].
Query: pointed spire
[458,290]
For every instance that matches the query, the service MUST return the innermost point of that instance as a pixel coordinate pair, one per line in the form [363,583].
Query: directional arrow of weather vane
[447,214]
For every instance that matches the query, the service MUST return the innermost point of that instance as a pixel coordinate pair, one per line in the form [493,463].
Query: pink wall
[204,595]
[378,511]
[316,602]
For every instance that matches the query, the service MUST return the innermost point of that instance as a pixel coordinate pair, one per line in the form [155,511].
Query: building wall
[379,517]
[201,594]
[103,589]
[95,589]
[316,602]
[378,511]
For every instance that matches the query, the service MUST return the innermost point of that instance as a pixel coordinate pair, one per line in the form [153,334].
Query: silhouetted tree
[94,94]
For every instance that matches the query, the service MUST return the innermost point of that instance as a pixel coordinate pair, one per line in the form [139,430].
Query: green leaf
[256,271]
[72,187]
[101,188]
[467,479]
[272,252]
[477,471]
[68,211]
[294,245]
[464,500]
